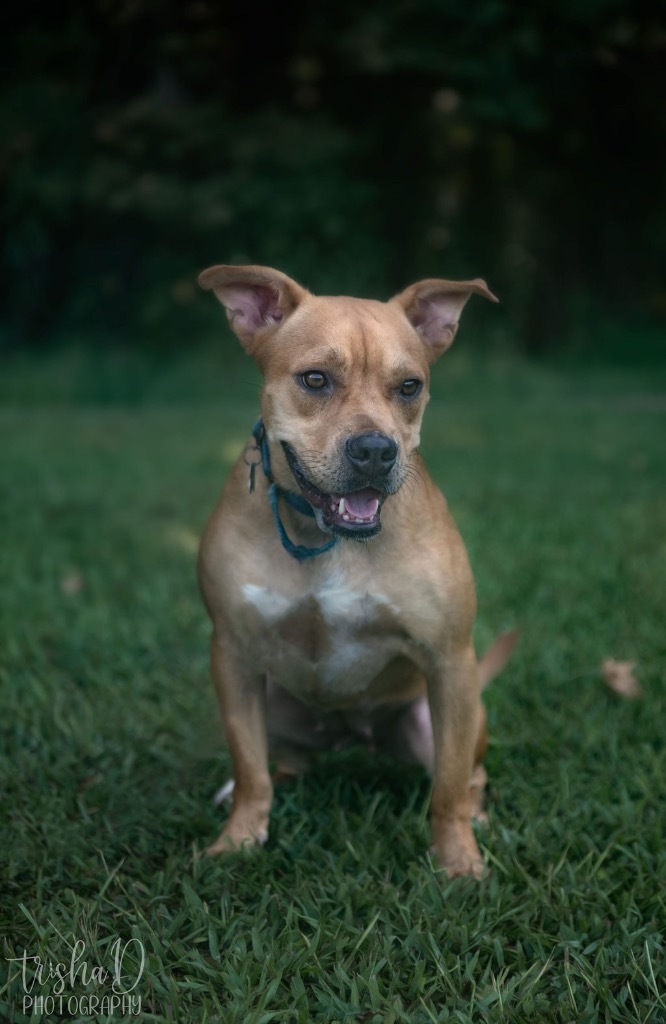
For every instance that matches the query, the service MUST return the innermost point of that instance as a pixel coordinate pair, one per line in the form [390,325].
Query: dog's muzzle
[354,509]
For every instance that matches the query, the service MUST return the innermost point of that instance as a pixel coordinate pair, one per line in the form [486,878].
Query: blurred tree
[355,146]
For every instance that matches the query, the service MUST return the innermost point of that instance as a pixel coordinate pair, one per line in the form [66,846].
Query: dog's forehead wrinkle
[351,325]
[368,359]
[329,356]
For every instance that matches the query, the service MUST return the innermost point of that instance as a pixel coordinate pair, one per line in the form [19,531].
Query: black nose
[373,454]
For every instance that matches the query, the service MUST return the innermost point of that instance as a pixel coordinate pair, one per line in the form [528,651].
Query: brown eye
[410,388]
[314,380]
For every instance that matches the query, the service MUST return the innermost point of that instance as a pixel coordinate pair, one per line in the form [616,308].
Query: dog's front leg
[456,713]
[242,701]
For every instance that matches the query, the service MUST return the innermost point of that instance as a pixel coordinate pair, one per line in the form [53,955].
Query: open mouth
[356,513]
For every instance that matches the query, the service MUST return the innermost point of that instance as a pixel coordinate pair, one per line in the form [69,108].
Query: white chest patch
[325,638]
[270,604]
[340,602]
[337,601]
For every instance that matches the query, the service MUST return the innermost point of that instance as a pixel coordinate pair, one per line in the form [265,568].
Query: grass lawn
[111,747]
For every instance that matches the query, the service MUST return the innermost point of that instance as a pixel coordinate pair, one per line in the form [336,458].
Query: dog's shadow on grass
[355,777]
[348,802]
[351,802]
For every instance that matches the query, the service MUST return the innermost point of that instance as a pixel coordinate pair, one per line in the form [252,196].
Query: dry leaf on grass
[72,583]
[619,677]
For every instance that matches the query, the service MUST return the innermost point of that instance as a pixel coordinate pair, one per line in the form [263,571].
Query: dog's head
[346,382]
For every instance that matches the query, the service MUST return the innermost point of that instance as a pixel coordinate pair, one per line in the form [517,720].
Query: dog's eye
[410,388]
[314,380]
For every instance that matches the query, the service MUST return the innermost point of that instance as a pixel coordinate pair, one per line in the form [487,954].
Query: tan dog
[318,639]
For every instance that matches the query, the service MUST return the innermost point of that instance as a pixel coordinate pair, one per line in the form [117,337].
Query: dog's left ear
[434,308]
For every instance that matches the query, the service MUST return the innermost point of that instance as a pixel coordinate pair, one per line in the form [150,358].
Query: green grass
[110,744]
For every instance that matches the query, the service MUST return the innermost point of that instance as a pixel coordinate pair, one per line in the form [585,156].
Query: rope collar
[277,493]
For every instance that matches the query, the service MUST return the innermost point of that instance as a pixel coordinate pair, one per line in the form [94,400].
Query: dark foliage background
[356,146]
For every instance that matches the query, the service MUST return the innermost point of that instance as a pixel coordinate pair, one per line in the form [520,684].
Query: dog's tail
[496,657]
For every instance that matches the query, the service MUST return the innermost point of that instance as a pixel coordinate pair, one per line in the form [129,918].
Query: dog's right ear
[256,299]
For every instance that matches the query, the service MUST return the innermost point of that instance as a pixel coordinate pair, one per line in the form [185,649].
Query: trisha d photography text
[76,986]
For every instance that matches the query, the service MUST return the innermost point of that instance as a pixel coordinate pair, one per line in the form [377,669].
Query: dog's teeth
[334,506]
[341,507]
[346,517]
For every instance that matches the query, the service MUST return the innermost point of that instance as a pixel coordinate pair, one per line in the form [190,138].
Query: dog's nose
[373,454]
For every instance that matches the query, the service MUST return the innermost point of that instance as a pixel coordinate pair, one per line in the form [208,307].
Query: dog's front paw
[456,851]
[240,833]
[461,866]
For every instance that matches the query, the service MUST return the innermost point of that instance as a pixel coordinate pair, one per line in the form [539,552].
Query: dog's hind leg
[406,734]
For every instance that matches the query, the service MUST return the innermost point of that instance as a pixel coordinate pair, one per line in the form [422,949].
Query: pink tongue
[362,504]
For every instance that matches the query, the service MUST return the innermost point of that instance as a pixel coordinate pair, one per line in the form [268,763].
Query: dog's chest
[330,642]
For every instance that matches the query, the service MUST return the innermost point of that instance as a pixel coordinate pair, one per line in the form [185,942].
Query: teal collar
[277,493]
